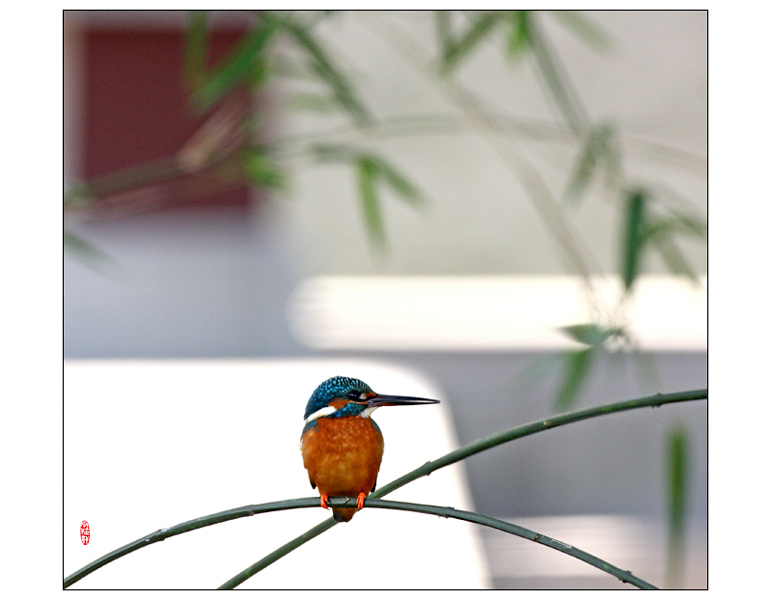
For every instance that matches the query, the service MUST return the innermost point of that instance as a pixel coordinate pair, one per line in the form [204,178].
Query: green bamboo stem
[281,551]
[440,511]
[472,517]
[530,428]
[447,512]
[426,469]
[161,534]
[485,444]
[136,176]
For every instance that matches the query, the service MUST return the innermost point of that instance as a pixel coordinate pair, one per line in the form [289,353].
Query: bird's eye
[353,395]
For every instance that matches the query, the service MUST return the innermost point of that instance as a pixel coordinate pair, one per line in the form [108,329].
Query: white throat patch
[326,411]
[368,411]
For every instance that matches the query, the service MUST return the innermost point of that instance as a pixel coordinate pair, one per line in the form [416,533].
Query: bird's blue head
[347,397]
[337,388]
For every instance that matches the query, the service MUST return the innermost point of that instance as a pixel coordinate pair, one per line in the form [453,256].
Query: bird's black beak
[381,400]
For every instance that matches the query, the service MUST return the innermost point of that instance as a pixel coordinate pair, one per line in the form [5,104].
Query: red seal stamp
[85,532]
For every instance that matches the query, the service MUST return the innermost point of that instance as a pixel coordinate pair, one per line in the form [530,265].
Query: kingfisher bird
[342,446]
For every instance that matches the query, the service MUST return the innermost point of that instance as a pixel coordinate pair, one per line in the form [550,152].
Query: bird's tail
[343,515]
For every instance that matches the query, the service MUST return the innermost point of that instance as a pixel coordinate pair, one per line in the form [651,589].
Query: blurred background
[511,204]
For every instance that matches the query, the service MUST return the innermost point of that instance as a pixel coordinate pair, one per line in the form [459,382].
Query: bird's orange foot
[361,499]
[325,498]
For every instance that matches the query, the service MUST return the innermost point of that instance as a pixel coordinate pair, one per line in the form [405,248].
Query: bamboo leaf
[677,467]
[258,73]
[583,169]
[576,367]
[313,102]
[519,33]
[237,67]
[677,479]
[262,170]
[677,223]
[586,29]
[536,372]
[442,26]
[635,222]
[85,252]
[371,171]
[598,153]
[334,153]
[674,259]
[456,51]
[591,334]
[401,185]
[79,195]
[324,67]
[196,49]
[611,157]
[690,225]
[366,174]
[558,83]
[660,234]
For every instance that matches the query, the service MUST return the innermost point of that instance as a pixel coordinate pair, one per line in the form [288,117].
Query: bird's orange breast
[343,455]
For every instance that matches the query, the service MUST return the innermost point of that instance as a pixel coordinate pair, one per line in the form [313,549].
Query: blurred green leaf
[313,102]
[372,170]
[381,168]
[690,225]
[576,366]
[674,259]
[323,67]
[456,50]
[634,236]
[678,466]
[591,334]
[367,172]
[660,233]
[258,73]
[677,223]
[196,49]
[237,67]
[585,28]
[557,82]
[442,26]
[402,186]
[262,170]
[334,153]
[88,254]
[519,33]
[598,153]
[583,170]
[536,372]
[79,195]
